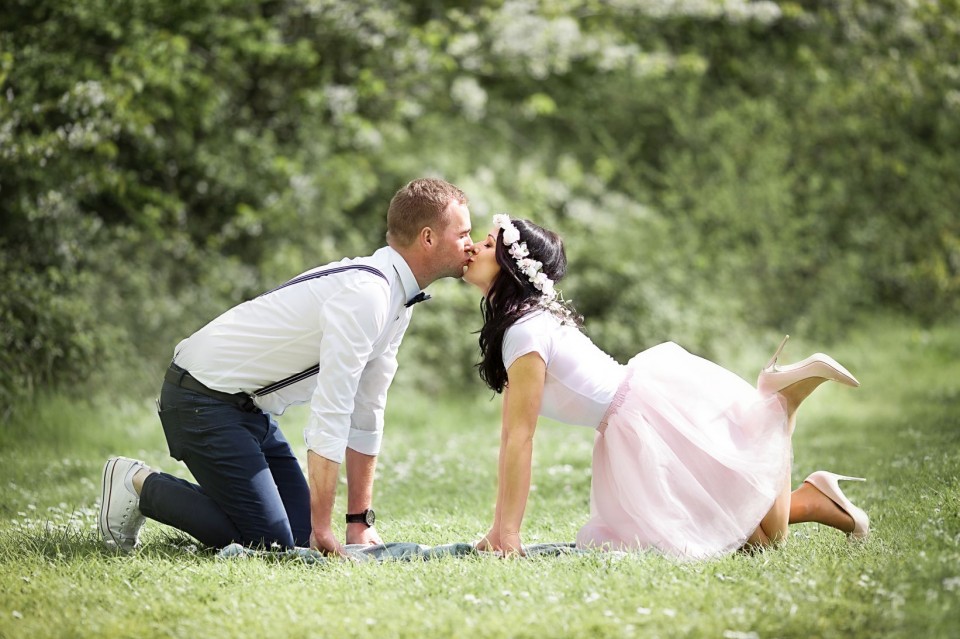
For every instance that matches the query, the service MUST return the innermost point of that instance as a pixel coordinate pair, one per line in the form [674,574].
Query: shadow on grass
[59,544]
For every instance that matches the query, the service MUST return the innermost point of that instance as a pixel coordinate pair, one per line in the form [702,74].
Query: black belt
[181,377]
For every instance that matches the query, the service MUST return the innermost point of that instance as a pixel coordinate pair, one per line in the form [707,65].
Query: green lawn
[901,430]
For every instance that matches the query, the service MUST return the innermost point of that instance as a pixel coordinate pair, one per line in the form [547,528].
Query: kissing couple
[689,459]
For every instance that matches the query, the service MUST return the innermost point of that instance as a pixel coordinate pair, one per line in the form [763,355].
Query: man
[328,337]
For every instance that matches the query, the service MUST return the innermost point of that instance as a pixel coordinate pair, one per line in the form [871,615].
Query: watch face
[371,517]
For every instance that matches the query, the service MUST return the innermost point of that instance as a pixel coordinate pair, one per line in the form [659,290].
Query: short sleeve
[529,335]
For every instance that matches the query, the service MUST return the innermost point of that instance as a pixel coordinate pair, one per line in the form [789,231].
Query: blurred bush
[715,166]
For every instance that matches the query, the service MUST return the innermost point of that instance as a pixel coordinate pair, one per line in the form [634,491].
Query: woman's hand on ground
[490,542]
[511,545]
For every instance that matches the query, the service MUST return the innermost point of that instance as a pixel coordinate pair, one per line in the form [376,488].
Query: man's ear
[427,237]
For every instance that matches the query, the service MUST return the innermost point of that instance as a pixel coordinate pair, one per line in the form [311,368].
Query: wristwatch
[367,517]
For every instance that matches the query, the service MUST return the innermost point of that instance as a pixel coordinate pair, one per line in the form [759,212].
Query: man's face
[454,249]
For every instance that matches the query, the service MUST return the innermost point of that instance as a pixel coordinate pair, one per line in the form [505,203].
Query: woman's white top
[581,379]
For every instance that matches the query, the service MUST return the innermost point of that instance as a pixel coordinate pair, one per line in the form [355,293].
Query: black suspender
[313,370]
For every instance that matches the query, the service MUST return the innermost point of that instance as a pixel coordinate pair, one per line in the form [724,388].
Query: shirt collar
[409,282]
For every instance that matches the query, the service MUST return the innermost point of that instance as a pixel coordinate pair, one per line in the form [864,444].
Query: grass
[436,479]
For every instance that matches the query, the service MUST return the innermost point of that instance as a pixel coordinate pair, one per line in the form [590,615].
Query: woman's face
[483,270]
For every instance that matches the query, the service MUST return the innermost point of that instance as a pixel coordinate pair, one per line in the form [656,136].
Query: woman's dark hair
[512,296]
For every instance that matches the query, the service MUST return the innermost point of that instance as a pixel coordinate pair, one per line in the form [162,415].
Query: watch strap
[367,517]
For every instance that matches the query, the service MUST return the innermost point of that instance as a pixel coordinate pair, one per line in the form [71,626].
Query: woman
[689,459]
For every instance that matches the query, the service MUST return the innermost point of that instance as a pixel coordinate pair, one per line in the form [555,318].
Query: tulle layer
[689,459]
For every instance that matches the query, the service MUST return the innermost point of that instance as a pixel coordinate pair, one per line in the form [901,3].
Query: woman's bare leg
[809,504]
[775,525]
[794,395]
[806,503]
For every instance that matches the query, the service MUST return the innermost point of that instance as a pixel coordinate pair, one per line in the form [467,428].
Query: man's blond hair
[419,204]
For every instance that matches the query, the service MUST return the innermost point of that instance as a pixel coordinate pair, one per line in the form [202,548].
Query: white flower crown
[529,267]
[550,298]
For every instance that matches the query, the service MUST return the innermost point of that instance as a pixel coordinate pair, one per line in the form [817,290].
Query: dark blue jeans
[251,488]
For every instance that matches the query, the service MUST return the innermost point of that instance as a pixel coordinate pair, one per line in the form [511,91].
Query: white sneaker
[120,519]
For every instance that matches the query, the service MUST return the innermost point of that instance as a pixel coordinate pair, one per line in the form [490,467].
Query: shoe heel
[829,484]
[773,360]
[839,478]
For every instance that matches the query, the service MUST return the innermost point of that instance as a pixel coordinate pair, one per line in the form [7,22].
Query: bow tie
[416,299]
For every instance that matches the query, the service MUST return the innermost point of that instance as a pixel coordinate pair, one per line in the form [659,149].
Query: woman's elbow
[520,437]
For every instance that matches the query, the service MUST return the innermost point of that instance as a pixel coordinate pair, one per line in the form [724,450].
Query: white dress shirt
[329,337]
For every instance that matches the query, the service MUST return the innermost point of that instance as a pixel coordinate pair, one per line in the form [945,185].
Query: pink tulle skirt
[687,461]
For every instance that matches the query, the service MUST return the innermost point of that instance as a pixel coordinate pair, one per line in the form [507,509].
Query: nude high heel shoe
[828,484]
[774,379]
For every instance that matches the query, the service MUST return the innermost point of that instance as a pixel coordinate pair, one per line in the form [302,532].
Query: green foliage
[715,167]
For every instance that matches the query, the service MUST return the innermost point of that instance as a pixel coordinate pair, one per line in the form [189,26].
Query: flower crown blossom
[531,268]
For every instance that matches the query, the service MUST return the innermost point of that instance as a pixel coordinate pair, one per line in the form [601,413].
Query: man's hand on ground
[361,534]
[326,542]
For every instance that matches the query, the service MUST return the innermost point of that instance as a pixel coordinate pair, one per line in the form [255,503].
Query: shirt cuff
[365,441]
[324,444]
